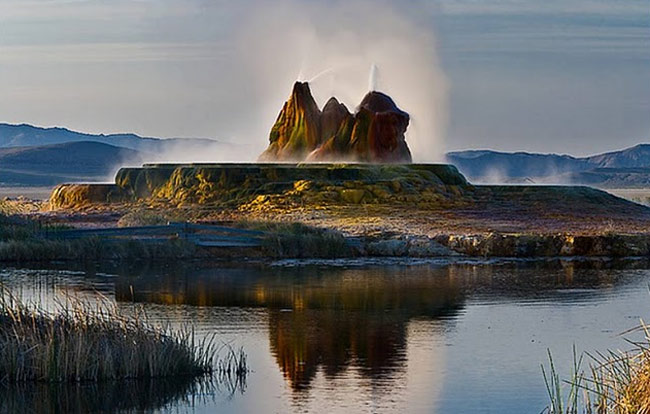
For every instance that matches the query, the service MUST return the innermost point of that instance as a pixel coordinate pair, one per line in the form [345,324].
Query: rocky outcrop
[379,128]
[334,116]
[374,134]
[82,195]
[547,245]
[337,124]
[296,131]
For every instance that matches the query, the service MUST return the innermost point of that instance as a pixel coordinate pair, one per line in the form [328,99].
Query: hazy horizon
[221,141]
[564,77]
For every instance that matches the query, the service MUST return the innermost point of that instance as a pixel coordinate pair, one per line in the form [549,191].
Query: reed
[616,382]
[16,228]
[81,342]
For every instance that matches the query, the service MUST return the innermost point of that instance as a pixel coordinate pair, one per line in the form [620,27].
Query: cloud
[558,75]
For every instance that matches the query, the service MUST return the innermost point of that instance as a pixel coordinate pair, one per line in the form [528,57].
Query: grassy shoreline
[79,342]
[53,358]
[21,240]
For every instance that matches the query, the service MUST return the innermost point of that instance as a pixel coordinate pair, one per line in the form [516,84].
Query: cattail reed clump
[616,382]
[84,342]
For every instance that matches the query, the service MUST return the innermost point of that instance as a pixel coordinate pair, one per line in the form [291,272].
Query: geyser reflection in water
[310,331]
[324,325]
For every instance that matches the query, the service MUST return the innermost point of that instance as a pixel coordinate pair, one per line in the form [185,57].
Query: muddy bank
[509,245]
[513,245]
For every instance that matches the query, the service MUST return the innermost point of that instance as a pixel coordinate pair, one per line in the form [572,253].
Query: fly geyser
[352,172]
[315,158]
[304,133]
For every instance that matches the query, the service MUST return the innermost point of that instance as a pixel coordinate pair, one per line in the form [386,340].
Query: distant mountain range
[83,161]
[625,168]
[35,156]
[24,135]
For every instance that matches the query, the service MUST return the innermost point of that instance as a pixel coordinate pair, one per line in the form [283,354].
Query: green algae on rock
[239,184]
[296,131]
[303,133]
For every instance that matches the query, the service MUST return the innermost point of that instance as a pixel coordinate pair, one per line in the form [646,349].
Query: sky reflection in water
[458,338]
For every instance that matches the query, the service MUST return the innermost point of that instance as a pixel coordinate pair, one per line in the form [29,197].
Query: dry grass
[82,342]
[293,239]
[617,382]
[16,228]
[93,248]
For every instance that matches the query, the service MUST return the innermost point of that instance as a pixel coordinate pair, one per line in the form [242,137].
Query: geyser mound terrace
[352,173]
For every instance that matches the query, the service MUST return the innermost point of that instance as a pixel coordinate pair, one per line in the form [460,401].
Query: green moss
[298,140]
[239,184]
[359,136]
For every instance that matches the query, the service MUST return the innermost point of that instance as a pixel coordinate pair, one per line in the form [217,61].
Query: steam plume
[278,39]
[372,79]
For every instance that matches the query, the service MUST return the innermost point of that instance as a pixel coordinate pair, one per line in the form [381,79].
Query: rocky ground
[518,221]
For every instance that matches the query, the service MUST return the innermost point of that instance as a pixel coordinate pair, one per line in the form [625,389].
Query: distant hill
[28,135]
[36,156]
[625,168]
[484,164]
[637,156]
[72,161]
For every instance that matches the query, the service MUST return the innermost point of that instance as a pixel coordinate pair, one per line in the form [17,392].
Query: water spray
[372,79]
[319,74]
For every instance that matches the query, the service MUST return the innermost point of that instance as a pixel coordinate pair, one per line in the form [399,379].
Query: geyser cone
[296,131]
[334,114]
[303,133]
[336,128]
[379,127]
[380,102]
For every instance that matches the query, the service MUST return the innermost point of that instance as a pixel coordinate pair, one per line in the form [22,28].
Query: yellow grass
[618,383]
[83,342]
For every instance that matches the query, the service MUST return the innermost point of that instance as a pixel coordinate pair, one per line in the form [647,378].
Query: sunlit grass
[615,382]
[80,342]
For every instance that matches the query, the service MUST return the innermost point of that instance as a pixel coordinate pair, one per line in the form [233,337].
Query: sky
[567,76]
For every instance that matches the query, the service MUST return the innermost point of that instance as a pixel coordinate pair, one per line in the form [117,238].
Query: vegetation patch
[83,343]
[21,240]
[615,382]
[300,241]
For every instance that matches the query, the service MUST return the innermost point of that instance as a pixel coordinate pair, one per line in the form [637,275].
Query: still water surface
[431,338]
